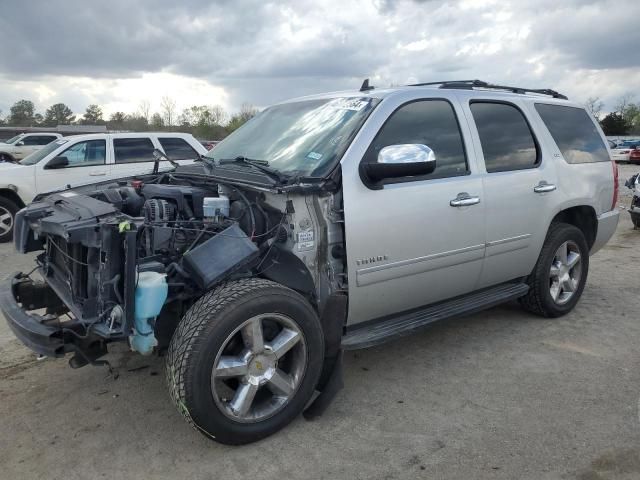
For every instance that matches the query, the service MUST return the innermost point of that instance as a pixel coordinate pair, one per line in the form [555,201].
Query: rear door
[133,155]
[520,189]
[87,163]
[412,243]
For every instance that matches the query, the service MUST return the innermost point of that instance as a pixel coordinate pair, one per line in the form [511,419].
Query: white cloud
[225,52]
[114,94]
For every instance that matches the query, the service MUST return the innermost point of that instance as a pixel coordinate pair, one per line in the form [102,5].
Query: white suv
[18,147]
[83,159]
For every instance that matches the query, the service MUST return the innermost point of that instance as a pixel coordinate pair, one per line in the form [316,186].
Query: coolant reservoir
[215,206]
[151,293]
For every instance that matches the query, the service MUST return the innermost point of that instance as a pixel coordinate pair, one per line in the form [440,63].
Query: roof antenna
[365,86]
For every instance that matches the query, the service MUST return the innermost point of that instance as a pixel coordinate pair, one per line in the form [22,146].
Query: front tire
[245,360]
[560,274]
[8,211]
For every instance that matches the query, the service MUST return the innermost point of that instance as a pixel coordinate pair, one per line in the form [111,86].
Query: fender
[285,268]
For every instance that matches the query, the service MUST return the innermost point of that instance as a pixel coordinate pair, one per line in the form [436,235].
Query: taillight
[615,184]
[635,154]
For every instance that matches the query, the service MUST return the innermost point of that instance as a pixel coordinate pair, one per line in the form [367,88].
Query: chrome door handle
[464,200]
[544,187]
[97,174]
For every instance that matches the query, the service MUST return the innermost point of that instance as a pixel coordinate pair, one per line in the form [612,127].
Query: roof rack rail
[471,84]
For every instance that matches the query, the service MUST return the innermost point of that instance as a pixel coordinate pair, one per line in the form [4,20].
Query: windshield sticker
[355,104]
[314,155]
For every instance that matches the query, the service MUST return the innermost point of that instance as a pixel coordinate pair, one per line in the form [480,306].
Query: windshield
[38,155]
[304,138]
[13,140]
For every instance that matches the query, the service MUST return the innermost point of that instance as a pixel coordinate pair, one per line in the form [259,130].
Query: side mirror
[396,161]
[20,143]
[57,162]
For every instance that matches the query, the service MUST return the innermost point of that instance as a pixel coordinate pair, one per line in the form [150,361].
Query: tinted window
[84,154]
[177,149]
[46,139]
[129,150]
[574,133]
[506,139]
[39,139]
[428,122]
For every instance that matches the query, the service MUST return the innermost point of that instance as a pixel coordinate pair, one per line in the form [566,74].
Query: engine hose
[253,218]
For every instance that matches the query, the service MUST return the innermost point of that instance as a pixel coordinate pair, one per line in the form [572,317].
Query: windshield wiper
[261,165]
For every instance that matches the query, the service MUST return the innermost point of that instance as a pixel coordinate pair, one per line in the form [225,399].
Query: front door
[87,163]
[416,240]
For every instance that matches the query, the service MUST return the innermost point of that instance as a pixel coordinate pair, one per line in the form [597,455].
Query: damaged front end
[123,262]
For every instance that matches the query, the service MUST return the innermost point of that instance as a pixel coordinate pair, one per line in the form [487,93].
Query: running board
[381,331]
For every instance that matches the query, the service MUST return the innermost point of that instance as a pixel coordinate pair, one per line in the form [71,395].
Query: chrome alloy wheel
[259,368]
[6,220]
[565,272]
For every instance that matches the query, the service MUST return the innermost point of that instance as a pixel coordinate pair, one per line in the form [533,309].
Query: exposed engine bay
[156,244]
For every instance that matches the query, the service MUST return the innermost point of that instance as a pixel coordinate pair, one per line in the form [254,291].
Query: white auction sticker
[355,104]
[305,240]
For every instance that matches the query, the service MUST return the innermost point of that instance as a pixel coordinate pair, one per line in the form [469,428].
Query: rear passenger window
[506,139]
[128,150]
[428,122]
[177,149]
[574,133]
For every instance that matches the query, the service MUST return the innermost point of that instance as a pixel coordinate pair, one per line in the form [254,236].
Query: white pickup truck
[83,159]
[24,144]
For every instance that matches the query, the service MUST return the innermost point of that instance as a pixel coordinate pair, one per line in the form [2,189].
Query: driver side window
[428,122]
[84,154]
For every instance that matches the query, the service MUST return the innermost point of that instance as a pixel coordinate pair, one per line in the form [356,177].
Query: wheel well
[13,196]
[583,217]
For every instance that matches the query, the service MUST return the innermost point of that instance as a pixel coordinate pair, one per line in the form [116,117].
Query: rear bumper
[18,291]
[607,223]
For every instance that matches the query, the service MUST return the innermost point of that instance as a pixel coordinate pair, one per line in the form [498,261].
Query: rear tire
[214,364]
[8,211]
[559,277]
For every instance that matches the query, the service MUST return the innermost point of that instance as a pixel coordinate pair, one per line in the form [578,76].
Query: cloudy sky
[118,53]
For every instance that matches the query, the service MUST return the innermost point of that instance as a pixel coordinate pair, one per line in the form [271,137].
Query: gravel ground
[499,395]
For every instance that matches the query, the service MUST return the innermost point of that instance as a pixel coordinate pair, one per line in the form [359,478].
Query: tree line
[209,122]
[212,122]
[623,120]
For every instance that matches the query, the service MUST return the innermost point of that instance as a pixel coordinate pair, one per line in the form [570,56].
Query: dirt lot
[501,394]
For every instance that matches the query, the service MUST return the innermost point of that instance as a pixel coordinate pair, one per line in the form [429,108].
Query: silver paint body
[412,244]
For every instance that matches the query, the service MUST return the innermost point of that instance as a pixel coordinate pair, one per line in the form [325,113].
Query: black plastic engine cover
[218,257]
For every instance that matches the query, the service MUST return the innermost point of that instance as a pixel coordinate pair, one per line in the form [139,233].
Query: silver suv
[326,223]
